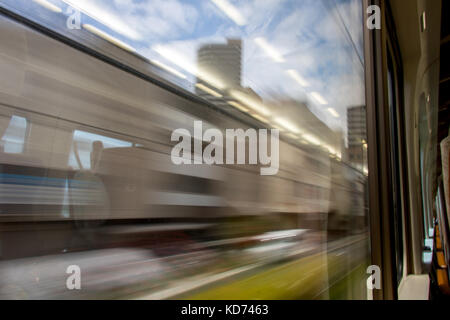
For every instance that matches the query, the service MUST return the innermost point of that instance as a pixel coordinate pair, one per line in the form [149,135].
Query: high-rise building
[357,135]
[222,61]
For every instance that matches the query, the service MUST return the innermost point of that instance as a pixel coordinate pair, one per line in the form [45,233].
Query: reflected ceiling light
[319,98]
[231,12]
[333,112]
[288,125]
[331,150]
[258,117]
[108,37]
[238,106]
[207,77]
[294,75]
[423,21]
[169,69]
[255,105]
[176,58]
[48,5]
[208,90]
[270,51]
[278,127]
[112,21]
[184,63]
[311,139]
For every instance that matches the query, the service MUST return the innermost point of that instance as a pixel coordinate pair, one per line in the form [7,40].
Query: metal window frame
[377,43]
[378,154]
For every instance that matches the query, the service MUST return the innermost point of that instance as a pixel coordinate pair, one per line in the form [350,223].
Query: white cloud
[158,19]
[308,35]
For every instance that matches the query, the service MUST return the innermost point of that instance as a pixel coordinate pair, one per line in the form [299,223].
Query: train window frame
[378,43]
[393,105]
[402,158]
[399,162]
[423,127]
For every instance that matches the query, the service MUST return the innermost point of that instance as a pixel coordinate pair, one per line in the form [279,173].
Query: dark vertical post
[378,136]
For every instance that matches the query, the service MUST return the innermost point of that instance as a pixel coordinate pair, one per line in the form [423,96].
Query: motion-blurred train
[86,176]
[96,148]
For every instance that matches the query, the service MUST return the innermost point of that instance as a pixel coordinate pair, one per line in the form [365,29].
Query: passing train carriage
[96,146]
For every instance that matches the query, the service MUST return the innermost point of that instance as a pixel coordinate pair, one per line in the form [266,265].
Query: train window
[84,143]
[425,156]
[14,138]
[106,74]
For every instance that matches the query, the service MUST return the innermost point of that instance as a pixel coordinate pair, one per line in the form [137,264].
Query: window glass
[112,73]
[83,144]
[13,139]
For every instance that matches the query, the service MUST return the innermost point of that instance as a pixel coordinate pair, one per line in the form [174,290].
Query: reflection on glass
[14,137]
[85,143]
[98,188]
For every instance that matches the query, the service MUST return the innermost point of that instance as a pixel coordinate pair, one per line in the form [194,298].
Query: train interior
[421,34]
